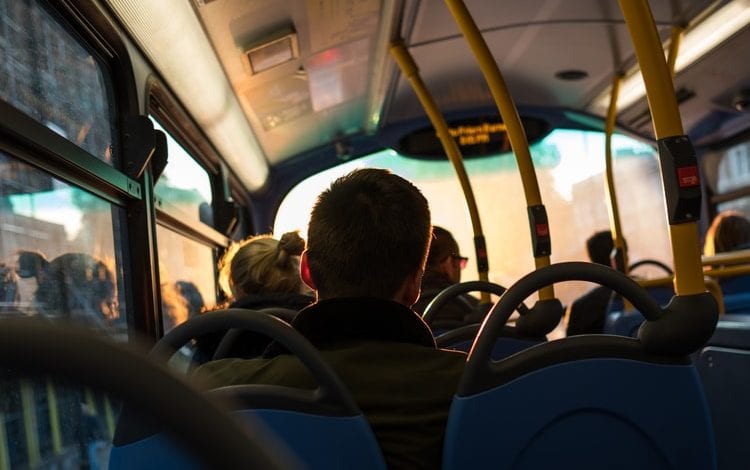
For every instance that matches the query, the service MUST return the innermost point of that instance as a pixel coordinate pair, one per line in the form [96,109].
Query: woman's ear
[304,271]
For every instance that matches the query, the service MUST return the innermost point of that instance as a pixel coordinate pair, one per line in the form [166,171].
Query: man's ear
[304,271]
[411,288]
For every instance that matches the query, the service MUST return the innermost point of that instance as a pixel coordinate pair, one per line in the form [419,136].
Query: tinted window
[569,165]
[184,189]
[187,273]
[59,256]
[49,75]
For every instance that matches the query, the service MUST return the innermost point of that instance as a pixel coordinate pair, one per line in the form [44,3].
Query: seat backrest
[589,401]
[509,342]
[724,369]
[736,292]
[324,426]
[564,407]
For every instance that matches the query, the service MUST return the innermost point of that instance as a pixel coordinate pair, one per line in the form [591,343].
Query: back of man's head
[368,233]
[599,247]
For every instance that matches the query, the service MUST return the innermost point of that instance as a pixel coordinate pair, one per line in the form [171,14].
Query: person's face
[453,265]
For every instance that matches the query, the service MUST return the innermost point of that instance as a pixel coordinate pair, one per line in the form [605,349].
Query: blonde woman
[261,272]
[257,273]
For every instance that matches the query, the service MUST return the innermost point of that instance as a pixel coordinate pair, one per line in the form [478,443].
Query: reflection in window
[58,256]
[184,189]
[49,75]
[734,174]
[188,282]
[569,165]
[47,425]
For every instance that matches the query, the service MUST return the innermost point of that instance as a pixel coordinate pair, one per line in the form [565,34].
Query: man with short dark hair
[587,314]
[444,265]
[367,243]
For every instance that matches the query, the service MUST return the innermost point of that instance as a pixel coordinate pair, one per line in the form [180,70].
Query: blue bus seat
[323,427]
[317,442]
[724,368]
[621,323]
[587,401]
[563,405]
[736,292]
[509,342]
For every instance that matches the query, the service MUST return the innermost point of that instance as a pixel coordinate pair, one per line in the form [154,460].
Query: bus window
[569,166]
[188,284]
[58,247]
[184,189]
[49,75]
[733,175]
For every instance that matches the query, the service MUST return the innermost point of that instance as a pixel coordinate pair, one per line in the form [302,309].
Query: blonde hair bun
[292,243]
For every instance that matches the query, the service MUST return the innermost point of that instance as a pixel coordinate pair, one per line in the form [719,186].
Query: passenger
[9,294]
[729,231]
[174,307]
[192,296]
[587,314]
[74,286]
[444,265]
[368,239]
[259,272]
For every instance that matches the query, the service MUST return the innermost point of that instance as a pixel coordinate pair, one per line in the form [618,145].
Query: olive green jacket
[386,356]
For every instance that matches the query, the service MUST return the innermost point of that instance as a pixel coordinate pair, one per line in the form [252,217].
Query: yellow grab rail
[410,70]
[674,46]
[30,427]
[609,179]
[4,452]
[666,120]
[515,130]
[54,418]
[730,257]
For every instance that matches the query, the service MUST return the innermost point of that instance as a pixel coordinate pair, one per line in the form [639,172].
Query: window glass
[187,273]
[49,75]
[184,189]
[48,425]
[733,174]
[569,166]
[58,253]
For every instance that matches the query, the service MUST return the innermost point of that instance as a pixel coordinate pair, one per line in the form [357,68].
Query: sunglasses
[462,260]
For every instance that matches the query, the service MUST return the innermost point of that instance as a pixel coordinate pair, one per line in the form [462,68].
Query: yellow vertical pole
[109,417]
[410,70]
[4,454]
[28,407]
[665,115]
[54,418]
[674,47]
[609,178]
[509,114]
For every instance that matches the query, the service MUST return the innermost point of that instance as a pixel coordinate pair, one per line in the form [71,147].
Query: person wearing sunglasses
[444,266]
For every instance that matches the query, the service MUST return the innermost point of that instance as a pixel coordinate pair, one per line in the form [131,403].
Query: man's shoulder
[260,370]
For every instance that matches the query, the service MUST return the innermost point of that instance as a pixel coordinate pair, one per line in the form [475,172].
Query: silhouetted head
[730,230]
[368,234]
[599,247]
[73,285]
[444,256]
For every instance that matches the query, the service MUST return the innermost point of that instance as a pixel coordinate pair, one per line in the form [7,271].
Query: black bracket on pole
[541,242]
[681,179]
[159,159]
[138,146]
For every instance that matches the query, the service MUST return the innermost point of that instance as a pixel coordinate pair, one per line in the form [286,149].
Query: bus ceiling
[274,79]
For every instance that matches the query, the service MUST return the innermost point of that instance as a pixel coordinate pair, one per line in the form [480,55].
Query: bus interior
[140,138]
